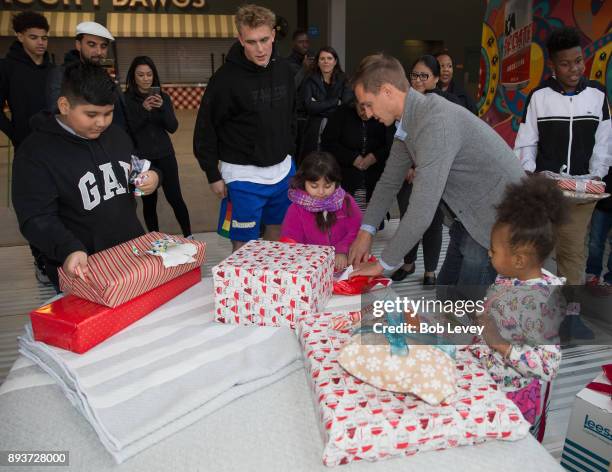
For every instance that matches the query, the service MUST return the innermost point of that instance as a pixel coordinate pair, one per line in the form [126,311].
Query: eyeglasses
[423,76]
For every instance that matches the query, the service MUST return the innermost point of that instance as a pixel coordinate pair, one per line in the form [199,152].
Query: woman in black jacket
[150,118]
[324,90]
[360,145]
[447,83]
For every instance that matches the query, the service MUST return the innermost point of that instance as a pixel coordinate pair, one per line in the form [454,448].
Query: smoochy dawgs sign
[116,4]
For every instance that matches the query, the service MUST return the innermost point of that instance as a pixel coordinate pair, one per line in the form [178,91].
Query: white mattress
[272,429]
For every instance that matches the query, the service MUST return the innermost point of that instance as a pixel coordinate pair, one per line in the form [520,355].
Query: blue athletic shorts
[248,205]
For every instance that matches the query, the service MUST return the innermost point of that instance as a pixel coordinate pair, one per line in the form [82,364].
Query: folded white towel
[166,371]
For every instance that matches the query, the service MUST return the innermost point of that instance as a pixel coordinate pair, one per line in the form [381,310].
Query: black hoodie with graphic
[72,194]
[22,85]
[247,114]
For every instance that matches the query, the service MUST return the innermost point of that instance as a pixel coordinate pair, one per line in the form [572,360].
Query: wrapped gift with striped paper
[578,184]
[77,325]
[122,273]
[272,283]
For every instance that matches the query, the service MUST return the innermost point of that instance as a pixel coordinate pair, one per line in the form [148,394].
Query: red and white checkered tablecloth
[185,97]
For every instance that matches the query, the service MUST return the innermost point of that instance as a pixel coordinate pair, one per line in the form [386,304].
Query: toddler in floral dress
[525,306]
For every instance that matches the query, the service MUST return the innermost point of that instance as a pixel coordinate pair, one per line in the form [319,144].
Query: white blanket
[166,371]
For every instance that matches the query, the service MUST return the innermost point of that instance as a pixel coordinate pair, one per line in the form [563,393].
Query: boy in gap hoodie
[70,177]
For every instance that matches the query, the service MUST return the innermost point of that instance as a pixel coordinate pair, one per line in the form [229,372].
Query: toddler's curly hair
[532,209]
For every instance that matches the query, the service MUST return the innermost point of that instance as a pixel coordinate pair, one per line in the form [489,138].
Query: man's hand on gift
[341,262]
[76,265]
[360,249]
[219,188]
[149,182]
[368,269]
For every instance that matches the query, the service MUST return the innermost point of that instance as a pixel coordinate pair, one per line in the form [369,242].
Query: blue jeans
[601,223]
[466,265]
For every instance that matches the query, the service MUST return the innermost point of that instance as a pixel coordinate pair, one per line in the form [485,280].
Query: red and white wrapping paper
[576,184]
[77,325]
[117,275]
[272,283]
[361,422]
[605,386]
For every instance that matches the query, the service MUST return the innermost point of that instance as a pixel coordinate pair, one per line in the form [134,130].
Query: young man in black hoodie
[70,177]
[300,60]
[246,123]
[23,75]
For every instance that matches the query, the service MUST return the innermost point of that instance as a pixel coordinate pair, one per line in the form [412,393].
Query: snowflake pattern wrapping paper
[427,372]
[271,283]
[362,422]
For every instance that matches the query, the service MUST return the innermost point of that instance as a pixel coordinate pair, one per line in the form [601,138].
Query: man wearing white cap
[91,45]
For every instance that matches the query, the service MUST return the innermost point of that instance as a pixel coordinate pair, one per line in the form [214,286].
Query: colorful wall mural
[513,53]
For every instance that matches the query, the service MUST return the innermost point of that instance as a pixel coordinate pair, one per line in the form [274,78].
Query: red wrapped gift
[78,325]
[606,385]
[118,275]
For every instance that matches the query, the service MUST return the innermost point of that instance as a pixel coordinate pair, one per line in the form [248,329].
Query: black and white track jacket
[567,133]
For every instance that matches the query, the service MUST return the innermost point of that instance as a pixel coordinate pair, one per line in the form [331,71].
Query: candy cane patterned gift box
[362,422]
[271,284]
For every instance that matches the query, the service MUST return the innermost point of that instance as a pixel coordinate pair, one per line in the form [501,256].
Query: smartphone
[107,62]
[155,91]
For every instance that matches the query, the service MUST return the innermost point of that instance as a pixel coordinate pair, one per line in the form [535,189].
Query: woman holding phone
[151,117]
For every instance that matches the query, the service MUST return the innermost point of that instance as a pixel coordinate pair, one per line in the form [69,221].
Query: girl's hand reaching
[492,337]
[341,262]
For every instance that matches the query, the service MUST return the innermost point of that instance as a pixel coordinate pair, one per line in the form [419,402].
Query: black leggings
[432,239]
[172,190]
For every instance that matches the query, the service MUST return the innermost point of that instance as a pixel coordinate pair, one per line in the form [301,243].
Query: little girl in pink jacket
[321,211]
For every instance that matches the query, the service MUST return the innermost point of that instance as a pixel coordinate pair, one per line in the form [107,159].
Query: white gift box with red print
[271,284]
[362,422]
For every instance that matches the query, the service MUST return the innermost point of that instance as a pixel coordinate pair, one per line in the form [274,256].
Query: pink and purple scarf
[315,205]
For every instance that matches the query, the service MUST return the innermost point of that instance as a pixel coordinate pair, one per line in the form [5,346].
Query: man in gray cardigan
[458,158]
